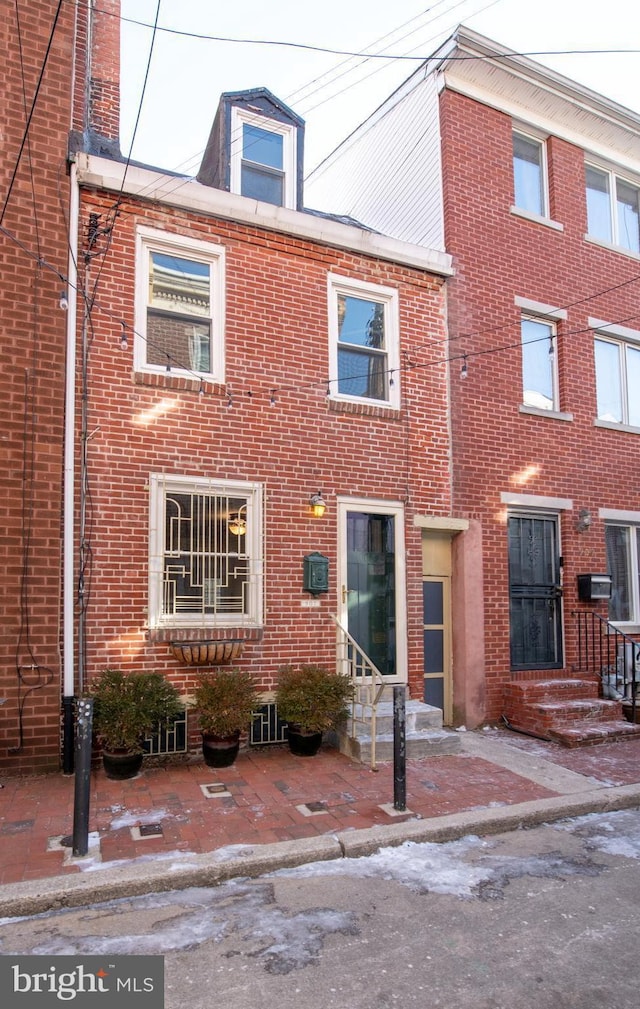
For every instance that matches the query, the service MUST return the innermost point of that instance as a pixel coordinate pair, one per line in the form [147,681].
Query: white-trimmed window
[179,305]
[529,174]
[617,365]
[613,208]
[539,363]
[263,158]
[363,342]
[623,564]
[205,560]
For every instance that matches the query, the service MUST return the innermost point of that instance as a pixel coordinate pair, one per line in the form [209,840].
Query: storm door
[535,592]
[372,593]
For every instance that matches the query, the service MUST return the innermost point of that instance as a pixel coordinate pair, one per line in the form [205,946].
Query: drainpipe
[69,478]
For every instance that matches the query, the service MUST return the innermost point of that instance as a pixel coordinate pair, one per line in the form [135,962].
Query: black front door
[535,592]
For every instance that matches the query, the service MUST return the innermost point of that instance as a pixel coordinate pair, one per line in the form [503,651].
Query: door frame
[377,506]
[554,516]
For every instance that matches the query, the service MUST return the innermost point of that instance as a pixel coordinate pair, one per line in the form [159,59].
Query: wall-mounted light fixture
[318,505]
[584,520]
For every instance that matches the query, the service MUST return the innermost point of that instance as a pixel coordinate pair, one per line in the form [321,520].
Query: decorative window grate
[170,739]
[267,727]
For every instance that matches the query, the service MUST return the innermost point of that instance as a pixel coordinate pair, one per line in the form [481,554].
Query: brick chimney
[101,120]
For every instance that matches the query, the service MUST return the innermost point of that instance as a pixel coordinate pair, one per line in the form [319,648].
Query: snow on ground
[611,833]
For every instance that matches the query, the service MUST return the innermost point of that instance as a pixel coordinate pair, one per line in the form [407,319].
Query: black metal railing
[613,656]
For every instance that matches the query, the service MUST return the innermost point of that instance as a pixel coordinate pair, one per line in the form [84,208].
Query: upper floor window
[364,341]
[539,369]
[263,158]
[617,381]
[529,174]
[179,305]
[205,552]
[613,209]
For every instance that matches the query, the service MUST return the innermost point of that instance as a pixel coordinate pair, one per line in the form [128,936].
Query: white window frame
[547,315]
[386,296]
[621,337]
[544,175]
[614,177]
[631,522]
[150,240]
[159,485]
[289,151]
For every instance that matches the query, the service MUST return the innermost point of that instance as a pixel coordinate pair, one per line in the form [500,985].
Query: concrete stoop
[568,711]
[424,734]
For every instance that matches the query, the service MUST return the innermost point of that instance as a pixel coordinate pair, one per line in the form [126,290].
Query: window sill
[611,247]
[527,215]
[195,634]
[364,409]
[535,411]
[175,380]
[614,426]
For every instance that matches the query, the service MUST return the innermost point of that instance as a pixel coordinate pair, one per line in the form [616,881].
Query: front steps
[567,711]
[424,734]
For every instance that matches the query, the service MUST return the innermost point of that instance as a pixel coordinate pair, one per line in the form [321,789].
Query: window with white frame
[263,158]
[617,364]
[623,555]
[613,208]
[539,365]
[205,567]
[179,305]
[529,174]
[364,342]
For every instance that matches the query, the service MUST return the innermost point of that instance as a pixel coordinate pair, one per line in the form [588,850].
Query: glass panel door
[371,586]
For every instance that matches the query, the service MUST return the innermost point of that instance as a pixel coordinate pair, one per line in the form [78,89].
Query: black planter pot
[121,765]
[303,744]
[220,751]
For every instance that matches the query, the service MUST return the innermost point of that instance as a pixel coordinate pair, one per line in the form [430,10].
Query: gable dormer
[255,149]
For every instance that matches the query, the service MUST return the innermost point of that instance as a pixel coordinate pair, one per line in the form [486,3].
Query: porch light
[238,522]
[318,505]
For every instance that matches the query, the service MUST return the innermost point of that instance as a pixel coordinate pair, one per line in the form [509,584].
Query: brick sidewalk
[268,796]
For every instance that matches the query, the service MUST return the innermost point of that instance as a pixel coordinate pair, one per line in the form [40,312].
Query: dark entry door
[371,587]
[535,592]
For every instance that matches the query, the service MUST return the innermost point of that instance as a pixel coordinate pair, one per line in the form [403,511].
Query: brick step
[585,709]
[529,691]
[591,733]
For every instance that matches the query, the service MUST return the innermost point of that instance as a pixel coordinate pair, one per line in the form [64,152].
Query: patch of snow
[133,819]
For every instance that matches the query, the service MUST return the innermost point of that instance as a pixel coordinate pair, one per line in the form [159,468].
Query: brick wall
[499,256]
[33,249]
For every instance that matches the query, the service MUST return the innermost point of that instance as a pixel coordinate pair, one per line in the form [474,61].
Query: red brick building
[532,183]
[230,356]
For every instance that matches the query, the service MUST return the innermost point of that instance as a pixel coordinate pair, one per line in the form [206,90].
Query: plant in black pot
[225,701]
[311,699]
[127,708]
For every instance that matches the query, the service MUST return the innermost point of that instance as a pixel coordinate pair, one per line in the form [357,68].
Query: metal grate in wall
[170,739]
[267,727]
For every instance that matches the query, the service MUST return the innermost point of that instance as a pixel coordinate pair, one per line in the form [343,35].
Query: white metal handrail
[368,682]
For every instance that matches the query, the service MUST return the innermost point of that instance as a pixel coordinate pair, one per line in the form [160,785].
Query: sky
[335,93]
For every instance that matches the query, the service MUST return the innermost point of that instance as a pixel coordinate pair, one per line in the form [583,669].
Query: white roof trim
[152,185]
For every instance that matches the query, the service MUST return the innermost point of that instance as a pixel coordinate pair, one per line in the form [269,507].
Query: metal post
[399,750]
[67,735]
[84,728]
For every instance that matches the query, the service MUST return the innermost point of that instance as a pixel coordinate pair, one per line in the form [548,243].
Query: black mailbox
[315,573]
[593,587]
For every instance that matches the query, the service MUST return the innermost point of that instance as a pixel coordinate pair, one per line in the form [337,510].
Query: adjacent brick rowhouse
[499,256]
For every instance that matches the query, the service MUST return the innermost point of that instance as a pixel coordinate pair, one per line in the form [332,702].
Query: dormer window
[263,158]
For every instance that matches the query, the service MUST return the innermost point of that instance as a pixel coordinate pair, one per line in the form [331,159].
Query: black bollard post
[399,750]
[84,727]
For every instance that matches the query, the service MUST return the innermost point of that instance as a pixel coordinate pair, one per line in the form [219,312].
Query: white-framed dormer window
[613,208]
[530,174]
[179,317]
[263,158]
[205,552]
[617,365]
[364,341]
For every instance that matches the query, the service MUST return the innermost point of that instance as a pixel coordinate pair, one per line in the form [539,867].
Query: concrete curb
[140,877]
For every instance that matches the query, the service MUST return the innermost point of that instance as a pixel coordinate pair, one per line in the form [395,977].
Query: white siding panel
[388,175]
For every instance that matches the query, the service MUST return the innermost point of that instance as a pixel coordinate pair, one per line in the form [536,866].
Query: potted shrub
[128,707]
[311,699]
[225,702]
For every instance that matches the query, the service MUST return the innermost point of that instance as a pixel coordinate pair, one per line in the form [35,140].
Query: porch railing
[613,656]
[368,683]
